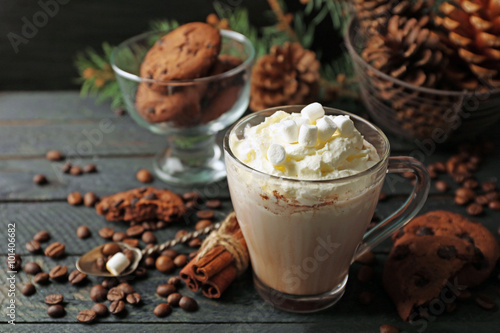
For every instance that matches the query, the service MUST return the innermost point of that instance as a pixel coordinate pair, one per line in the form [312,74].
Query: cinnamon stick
[187,275]
[214,287]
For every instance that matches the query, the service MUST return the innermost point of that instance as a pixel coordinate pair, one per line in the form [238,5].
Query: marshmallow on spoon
[117,263]
[289,131]
[276,154]
[313,111]
[308,135]
[326,128]
[345,125]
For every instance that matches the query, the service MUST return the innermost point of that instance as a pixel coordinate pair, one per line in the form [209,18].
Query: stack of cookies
[432,251]
[167,93]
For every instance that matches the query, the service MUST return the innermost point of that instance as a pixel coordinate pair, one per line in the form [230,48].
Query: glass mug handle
[406,212]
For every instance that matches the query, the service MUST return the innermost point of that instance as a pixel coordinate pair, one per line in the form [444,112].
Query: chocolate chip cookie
[188,52]
[418,268]
[140,204]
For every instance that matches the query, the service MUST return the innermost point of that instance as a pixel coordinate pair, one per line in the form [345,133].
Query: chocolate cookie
[180,107]
[140,204]
[418,268]
[448,224]
[188,52]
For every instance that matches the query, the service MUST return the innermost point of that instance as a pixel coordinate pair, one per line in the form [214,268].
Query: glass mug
[302,235]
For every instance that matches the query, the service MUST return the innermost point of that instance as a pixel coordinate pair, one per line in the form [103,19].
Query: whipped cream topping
[308,145]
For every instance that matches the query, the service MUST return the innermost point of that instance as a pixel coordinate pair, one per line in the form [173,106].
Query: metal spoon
[87,263]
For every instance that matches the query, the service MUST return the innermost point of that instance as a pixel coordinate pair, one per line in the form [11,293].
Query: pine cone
[473,27]
[373,15]
[287,75]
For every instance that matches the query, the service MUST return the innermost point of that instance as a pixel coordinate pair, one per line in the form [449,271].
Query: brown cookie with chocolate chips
[140,204]
[419,267]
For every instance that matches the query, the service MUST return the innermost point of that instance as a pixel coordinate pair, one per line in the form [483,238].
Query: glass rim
[383,157]
[225,33]
[357,58]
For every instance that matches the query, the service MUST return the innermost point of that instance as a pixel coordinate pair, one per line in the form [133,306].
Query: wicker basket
[420,113]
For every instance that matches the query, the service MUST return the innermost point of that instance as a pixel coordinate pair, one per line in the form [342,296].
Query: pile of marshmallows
[302,131]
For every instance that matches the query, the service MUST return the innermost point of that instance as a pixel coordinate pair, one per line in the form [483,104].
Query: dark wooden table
[32,123]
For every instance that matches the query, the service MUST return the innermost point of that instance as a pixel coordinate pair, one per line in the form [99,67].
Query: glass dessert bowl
[188,112]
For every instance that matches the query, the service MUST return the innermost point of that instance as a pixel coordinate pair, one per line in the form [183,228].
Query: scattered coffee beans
[66,167]
[110,283]
[202,224]
[56,311]
[213,204]
[115,294]
[90,199]
[100,309]
[58,273]
[42,236]
[188,304]
[53,299]
[135,231]
[388,329]
[164,290]
[170,253]
[149,237]
[133,242]
[55,250]
[195,243]
[75,198]
[191,196]
[175,281]
[494,205]
[181,260]
[86,316]
[117,307]
[442,186]
[98,293]
[75,170]
[205,214]
[110,248]
[474,209]
[119,236]
[41,278]
[33,246]
[32,268]
[77,277]
[144,176]
[106,233]
[485,301]
[126,288]
[90,168]
[40,179]
[28,289]
[174,298]
[165,264]
[134,298]
[162,310]
[54,155]
[83,232]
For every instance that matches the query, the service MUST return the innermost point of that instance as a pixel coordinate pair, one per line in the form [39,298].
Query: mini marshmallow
[276,154]
[308,135]
[117,263]
[289,131]
[313,111]
[326,128]
[345,125]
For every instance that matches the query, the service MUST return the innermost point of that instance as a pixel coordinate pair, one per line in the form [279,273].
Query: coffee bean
[149,225]
[161,225]
[66,167]
[77,277]
[75,170]
[466,193]
[188,304]
[86,316]
[106,233]
[42,236]
[175,281]
[132,242]
[75,198]
[41,278]
[365,273]
[195,243]
[386,328]
[485,301]
[115,294]
[495,205]
[56,311]
[98,293]
[164,264]
[83,232]
[100,309]
[441,186]
[110,282]
[192,254]
[33,246]
[181,233]
[40,179]
[488,186]
[126,288]
[149,262]
[58,273]
[119,236]
[162,310]
[471,183]
[174,298]
[164,290]
[53,299]
[170,253]
[365,297]
[191,196]
[149,237]
[129,254]
[55,250]
[110,249]
[368,258]
[213,204]
[90,199]
[134,298]
[492,196]
[140,272]
[90,168]
[481,200]
[461,200]
[28,289]
[32,268]
[135,231]
[54,155]
[144,176]
[474,209]
[117,307]
[181,260]
[202,224]
[205,214]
